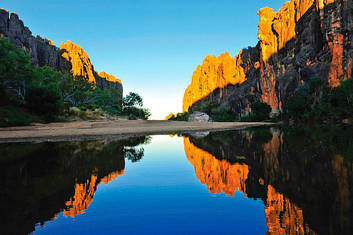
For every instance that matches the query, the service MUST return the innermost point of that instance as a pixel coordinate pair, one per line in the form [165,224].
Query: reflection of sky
[161,194]
[154,45]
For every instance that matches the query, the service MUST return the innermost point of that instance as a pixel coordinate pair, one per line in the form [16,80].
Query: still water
[253,181]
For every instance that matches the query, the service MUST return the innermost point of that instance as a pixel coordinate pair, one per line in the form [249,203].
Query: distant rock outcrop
[68,58]
[304,39]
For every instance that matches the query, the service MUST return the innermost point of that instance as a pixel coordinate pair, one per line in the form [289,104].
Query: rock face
[199,117]
[68,58]
[215,72]
[42,51]
[306,38]
[82,66]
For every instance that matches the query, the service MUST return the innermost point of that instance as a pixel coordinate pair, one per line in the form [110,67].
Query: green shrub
[13,116]
[132,117]
[44,100]
[222,115]
[259,112]
[179,117]
[319,105]
[208,107]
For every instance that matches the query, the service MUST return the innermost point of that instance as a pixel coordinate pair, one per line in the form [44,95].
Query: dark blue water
[253,181]
[161,194]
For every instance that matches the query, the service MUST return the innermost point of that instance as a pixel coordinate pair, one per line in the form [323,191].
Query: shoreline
[89,130]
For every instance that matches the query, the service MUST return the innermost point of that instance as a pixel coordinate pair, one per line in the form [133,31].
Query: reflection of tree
[134,154]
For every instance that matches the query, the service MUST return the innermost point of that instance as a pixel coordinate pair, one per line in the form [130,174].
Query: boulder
[199,117]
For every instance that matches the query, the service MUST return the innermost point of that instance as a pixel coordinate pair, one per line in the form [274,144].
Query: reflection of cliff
[84,193]
[283,216]
[304,39]
[219,176]
[305,186]
[38,181]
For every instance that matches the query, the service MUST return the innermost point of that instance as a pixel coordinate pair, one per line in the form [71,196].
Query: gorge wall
[304,39]
[68,58]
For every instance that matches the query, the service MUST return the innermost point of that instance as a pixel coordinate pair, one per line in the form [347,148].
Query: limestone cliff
[305,38]
[68,58]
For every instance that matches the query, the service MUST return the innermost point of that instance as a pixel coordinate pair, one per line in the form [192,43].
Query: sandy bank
[106,129]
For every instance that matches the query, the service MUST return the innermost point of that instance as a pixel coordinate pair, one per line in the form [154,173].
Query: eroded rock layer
[68,58]
[304,39]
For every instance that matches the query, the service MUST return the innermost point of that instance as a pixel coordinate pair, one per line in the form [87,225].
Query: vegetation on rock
[178,117]
[317,104]
[259,112]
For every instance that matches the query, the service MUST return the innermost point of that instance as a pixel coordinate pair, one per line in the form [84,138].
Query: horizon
[153,48]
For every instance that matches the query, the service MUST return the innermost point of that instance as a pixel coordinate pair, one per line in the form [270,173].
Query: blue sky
[152,45]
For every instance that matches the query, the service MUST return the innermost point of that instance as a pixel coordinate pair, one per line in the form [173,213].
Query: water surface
[255,181]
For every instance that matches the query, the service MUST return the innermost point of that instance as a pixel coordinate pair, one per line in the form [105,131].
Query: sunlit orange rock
[169,116]
[109,77]
[83,67]
[215,72]
[219,176]
[81,63]
[275,30]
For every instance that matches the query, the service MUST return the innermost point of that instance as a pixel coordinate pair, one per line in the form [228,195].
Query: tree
[260,111]
[15,71]
[44,96]
[133,99]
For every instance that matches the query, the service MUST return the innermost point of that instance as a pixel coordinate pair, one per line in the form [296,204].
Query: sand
[110,129]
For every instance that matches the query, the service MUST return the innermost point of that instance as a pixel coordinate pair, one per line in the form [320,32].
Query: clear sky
[152,45]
